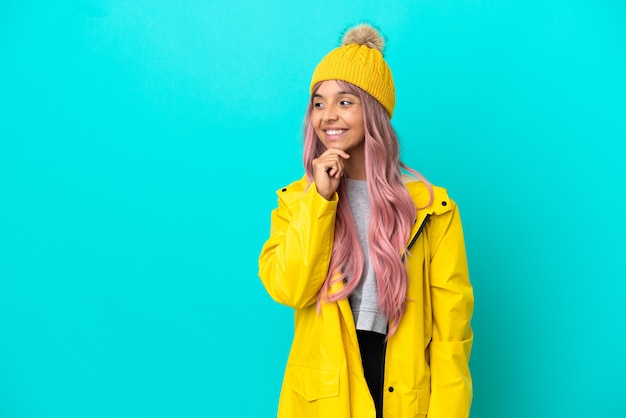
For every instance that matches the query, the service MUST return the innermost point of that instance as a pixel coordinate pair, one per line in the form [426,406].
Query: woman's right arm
[294,260]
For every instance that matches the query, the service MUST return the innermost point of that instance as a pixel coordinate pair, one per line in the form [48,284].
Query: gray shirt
[364,299]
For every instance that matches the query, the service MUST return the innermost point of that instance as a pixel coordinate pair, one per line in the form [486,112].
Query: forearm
[452,301]
[294,261]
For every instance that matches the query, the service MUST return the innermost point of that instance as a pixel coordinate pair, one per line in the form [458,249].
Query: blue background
[141,143]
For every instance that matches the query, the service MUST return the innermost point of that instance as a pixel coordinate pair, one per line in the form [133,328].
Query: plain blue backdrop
[141,143]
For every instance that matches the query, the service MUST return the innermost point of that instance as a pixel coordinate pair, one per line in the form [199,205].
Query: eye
[345,103]
[318,105]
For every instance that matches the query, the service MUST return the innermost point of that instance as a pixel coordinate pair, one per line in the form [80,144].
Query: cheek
[356,118]
[315,116]
[357,125]
[316,127]
[315,123]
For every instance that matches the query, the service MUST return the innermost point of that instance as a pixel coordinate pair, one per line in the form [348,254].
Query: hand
[328,170]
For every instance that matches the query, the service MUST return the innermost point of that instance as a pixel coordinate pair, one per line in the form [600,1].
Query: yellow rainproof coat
[426,366]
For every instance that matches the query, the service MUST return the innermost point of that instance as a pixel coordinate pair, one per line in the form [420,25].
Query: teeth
[335,131]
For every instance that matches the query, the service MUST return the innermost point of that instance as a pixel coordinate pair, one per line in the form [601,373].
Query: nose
[330,113]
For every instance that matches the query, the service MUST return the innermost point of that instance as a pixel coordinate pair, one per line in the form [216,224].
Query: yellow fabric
[362,66]
[427,358]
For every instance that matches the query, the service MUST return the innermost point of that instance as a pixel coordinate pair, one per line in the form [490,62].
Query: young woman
[372,260]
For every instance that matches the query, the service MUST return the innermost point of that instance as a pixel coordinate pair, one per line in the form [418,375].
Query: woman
[371,259]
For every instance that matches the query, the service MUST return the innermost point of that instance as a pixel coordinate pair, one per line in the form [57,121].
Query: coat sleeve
[294,260]
[452,305]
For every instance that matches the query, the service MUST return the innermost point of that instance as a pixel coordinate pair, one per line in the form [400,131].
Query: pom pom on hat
[364,35]
[359,61]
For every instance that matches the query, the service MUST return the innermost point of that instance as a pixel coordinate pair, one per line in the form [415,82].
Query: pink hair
[392,212]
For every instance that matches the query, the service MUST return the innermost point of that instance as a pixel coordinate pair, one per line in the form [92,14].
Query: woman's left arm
[452,304]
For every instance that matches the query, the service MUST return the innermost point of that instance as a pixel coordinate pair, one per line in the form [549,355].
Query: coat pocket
[313,383]
[422,396]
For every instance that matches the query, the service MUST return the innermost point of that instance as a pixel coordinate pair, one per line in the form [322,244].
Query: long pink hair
[392,212]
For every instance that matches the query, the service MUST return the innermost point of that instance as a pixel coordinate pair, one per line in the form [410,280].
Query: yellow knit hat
[359,61]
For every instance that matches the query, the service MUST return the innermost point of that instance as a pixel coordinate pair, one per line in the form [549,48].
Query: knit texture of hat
[359,61]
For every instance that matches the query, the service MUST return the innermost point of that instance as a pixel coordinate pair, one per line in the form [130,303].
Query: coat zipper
[384,362]
[417,234]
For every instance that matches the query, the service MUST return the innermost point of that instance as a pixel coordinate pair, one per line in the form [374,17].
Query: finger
[337,171]
[330,164]
[336,151]
[328,161]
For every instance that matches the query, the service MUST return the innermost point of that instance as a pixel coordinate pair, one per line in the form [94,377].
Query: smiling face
[337,117]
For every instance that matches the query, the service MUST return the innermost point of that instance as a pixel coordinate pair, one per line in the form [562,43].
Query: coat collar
[425,208]
[417,189]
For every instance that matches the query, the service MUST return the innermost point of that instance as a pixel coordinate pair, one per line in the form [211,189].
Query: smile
[335,131]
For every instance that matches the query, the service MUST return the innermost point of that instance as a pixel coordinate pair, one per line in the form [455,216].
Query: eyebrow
[339,93]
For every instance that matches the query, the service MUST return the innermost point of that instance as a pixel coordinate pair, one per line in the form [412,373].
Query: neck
[354,167]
